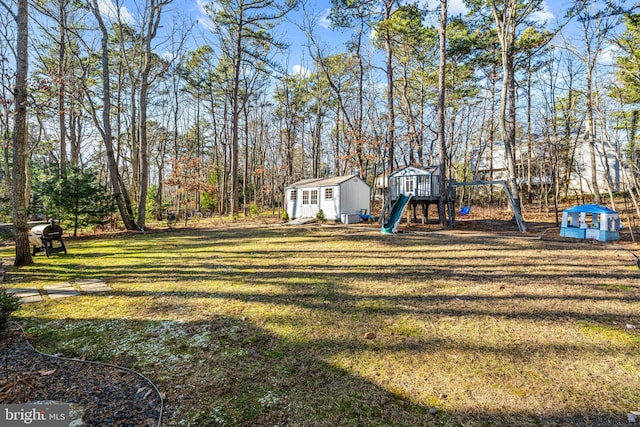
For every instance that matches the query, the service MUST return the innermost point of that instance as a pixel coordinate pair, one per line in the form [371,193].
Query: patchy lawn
[266,325]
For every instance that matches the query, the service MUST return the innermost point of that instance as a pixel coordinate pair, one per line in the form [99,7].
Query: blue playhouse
[592,222]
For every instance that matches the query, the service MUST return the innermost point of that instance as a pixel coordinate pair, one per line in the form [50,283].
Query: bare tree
[596,27]
[388,6]
[244,29]
[154,10]
[120,192]
[61,77]
[508,16]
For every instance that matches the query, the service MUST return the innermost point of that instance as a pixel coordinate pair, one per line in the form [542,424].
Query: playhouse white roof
[412,170]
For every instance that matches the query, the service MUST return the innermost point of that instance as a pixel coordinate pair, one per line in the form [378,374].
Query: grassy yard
[266,325]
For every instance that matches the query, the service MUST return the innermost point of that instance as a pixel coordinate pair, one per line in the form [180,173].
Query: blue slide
[392,220]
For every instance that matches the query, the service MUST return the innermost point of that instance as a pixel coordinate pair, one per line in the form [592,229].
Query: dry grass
[265,325]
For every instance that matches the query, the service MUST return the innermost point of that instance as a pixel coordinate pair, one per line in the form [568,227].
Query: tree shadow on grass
[284,255]
[290,268]
[228,371]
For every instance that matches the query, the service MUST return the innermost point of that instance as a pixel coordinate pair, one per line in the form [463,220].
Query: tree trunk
[155,10]
[119,190]
[144,154]
[442,144]
[492,127]
[508,130]
[391,119]
[134,140]
[591,131]
[20,139]
[360,113]
[62,18]
[505,23]
[529,136]
[75,133]
[245,172]
[235,115]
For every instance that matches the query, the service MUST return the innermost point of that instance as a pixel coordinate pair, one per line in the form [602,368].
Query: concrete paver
[26,295]
[60,290]
[93,285]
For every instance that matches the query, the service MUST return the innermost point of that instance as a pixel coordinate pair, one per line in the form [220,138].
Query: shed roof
[591,209]
[322,182]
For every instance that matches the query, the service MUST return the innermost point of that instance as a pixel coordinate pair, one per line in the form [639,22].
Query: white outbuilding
[339,198]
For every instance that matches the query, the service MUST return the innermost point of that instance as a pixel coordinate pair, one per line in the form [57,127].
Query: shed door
[310,204]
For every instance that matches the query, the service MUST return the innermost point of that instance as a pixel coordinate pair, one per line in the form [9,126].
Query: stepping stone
[26,295]
[62,290]
[93,285]
[88,281]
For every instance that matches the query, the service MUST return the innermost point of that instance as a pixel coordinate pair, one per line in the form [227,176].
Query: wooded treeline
[174,114]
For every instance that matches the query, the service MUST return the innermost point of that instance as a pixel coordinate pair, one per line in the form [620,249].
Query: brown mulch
[109,395]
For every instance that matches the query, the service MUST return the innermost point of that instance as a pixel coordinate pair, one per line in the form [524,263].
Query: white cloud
[111,12]
[454,7]
[206,7]
[545,15]
[609,55]
[168,56]
[203,11]
[457,7]
[324,20]
[301,70]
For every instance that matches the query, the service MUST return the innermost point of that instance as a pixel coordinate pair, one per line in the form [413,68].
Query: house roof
[590,209]
[412,170]
[321,182]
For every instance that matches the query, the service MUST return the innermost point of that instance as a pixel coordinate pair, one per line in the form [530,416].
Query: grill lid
[47,230]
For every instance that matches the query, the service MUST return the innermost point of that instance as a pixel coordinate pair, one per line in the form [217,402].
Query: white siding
[331,207]
[349,197]
[580,176]
[415,182]
[355,195]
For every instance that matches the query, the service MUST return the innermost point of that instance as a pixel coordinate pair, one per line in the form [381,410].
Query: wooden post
[425,212]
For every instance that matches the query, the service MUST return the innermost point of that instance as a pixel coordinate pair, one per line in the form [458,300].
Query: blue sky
[334,40]
[331,40]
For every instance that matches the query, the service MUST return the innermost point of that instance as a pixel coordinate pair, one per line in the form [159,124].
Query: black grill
[43,236]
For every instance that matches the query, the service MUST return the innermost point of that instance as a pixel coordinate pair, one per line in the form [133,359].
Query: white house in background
[608,168]
[336,196]
[380,185]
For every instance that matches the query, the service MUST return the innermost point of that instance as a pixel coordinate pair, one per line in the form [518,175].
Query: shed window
[305,197]
[328,193]
[314,197]
[293,195]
